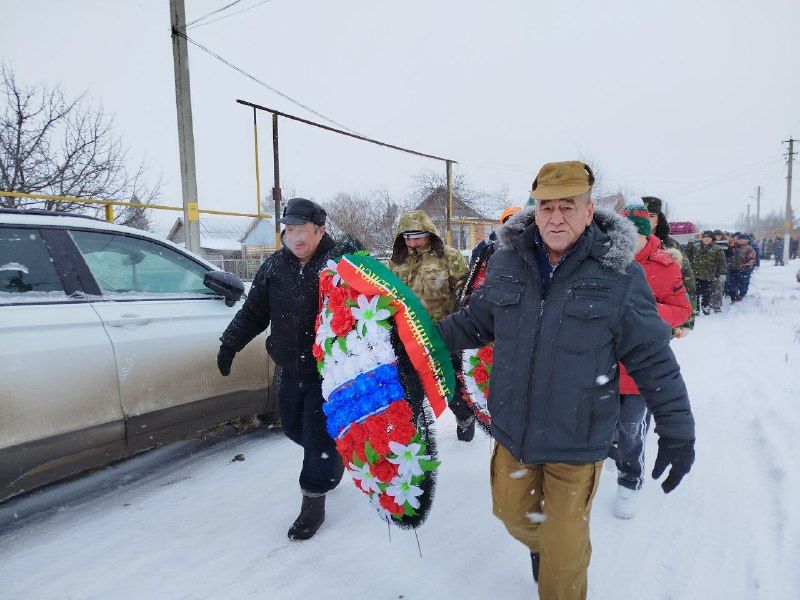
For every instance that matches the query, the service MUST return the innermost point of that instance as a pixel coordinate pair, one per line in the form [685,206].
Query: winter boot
[535,566]
[706,310]
[467,432]
[625,504]
[312,514]
[717,309]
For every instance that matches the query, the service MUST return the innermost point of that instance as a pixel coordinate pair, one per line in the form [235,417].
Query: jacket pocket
[583,323]
[506,309]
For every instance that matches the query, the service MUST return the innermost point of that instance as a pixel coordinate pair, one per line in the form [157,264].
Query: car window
[27,272]
[124,265]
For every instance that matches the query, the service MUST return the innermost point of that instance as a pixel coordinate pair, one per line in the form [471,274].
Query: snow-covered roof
[216,233]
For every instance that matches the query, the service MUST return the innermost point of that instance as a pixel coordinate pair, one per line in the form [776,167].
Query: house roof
[216,233]
[436,203]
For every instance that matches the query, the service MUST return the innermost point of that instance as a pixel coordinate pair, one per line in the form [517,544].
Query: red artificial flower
[345,449]
[486,392]
[384,470]
[486,354]
[480,279]
[318,352]
[480,374]
[336,298]
[402,432]
[326,283]
[399,411]
[378,426]
[358,435]
[352,293]
[390,505]
[343,321]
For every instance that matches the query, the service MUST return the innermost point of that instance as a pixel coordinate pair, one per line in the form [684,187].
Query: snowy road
[184,522]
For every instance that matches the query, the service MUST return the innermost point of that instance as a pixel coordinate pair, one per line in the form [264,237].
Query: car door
[164,325]
[60,410]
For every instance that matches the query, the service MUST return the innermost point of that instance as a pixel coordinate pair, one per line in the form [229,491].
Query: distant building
[219,236]
[468,225]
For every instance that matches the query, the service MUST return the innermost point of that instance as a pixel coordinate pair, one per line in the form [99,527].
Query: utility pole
[748,218]
[758,209]
[787,232]
[183,100]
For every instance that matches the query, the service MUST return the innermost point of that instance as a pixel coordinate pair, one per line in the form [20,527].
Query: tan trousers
[546,507]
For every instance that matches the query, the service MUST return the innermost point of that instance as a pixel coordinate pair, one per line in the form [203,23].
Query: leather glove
[679,454]
[225,359]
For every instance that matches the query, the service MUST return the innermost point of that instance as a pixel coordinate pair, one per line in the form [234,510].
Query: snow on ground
[185,522]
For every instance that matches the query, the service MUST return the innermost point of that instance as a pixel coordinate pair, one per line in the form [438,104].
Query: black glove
[225,359]
[679,454]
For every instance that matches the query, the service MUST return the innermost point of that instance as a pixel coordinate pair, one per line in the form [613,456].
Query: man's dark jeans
[628,451]
[300,403]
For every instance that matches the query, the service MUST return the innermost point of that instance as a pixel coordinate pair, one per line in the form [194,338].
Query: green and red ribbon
[421,339]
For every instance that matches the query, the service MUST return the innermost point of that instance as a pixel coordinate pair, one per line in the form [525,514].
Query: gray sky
[686,100]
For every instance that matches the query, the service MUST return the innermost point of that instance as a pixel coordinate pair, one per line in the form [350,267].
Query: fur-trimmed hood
[613,244]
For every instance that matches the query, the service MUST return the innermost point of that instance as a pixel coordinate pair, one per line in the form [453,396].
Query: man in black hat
[285,294]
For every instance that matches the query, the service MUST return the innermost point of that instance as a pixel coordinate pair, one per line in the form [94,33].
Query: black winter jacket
[286,295]
[554,388]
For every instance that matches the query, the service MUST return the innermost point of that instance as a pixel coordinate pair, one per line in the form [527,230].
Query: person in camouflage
[709,265]
[434,271]
[742,263]
[660,227]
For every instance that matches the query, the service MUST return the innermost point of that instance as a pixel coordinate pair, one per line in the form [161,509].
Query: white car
[108,343]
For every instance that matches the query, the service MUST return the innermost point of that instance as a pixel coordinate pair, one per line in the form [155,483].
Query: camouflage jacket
[674,248]
[744,258]
[708,262]
[433,272]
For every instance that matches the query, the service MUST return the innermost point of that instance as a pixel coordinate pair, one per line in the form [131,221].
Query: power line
[212,13]
[233,14]
[259,81]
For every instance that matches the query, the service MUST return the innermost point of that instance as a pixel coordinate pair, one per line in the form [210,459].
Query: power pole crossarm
[183,101]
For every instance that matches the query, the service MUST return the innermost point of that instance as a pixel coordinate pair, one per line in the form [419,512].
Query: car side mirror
[227,285]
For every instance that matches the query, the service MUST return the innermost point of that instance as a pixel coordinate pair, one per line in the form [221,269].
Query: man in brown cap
[564,302]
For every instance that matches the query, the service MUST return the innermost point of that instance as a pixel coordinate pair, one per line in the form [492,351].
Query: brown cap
[562,180]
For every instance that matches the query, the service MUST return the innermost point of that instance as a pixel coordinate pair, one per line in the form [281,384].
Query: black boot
[535,566]
[466,433]
[312,514]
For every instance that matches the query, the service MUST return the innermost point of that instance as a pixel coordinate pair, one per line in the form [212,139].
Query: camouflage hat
[562,180]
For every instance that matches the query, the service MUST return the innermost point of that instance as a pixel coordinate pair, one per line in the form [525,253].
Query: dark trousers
[628,451]
[739,282]
[300,403]
[705,292]
[458,405]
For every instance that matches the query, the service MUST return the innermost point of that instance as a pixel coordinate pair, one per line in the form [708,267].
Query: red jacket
[663,274]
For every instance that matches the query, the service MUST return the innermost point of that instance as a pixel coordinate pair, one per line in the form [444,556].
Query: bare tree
[53,145]
[371,218]
[488,203]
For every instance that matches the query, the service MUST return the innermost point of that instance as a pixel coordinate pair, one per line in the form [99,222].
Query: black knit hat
[652,203]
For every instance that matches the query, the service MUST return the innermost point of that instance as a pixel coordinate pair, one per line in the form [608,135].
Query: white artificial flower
[407,459]
[368,314]
[336,277]
[375,500]
[364,477]
[324,331]
[404,491]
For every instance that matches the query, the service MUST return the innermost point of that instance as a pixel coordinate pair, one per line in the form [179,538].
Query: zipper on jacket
[529,403]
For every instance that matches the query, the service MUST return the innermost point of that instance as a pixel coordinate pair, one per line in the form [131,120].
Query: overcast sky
[686,100]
